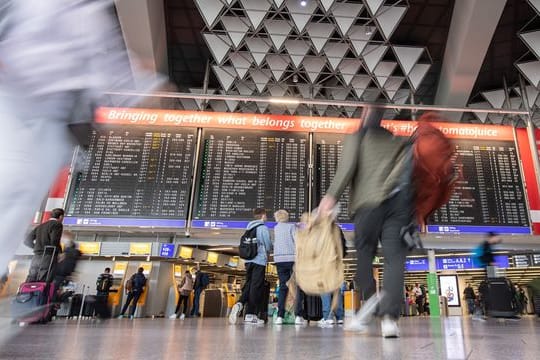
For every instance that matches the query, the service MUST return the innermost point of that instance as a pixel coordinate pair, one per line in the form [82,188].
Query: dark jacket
[107,280]
[47,234]
[487,256]
[138,281]
[469,293]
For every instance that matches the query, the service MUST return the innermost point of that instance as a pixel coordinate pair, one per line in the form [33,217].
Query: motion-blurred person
[47,234]
[470,297]
[201,282]
[184,289]
[57,57]
[67,262]
[253,290]
[284,253]
[135,287]
[521,299]
[378,166]
[483,254]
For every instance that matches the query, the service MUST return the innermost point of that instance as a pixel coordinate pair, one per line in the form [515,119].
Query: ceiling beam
[471,30]
[143,28]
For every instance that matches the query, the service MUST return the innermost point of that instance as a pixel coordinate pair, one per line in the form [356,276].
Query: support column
[433,286]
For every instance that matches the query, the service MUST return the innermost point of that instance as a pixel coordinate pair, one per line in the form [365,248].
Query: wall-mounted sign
[120,267]
[535,259]
[89,248]
[166,250]
[417,264]
[212,257]
[522,261]
[147,266]
[140,249]
[233,261]
[185,252]
[449,288]
[178,270]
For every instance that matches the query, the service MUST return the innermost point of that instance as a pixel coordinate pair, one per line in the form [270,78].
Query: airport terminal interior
[260,98]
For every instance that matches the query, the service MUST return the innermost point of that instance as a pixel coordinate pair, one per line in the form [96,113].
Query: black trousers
[132,296]
[383,224]
[252,292]
[39,267]
[185,300]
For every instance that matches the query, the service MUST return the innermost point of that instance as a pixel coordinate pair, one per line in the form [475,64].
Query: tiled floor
[422,338]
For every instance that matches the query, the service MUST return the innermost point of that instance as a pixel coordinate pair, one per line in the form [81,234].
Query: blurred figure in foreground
[57,57]
[378,167]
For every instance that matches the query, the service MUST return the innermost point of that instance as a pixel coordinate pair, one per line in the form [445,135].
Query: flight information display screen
[134,176]
[243,170]
[328,149]
[489,192]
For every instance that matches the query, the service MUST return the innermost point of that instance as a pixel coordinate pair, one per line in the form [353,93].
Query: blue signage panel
[166,250]
[450,263]
[465,229]
[417,264]
[129,222]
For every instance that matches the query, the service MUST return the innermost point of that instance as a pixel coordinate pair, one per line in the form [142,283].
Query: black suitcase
[101,307]
[501,299]
[89,308]
[76,303]
[313,307]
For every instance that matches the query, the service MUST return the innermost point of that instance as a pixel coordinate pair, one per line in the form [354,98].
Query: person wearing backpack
[104,283]
[258,235]
[201,282]
[378,167]
[135,287]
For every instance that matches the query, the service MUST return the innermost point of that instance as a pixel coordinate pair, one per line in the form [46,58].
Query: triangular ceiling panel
[388,18]
[536,5]
[321,109]
[374,5]
[515,103]
[383,71]
[297,49]
[200,91]
[402,95]
[495,98]
[327,4]
[301,15]
[319,33]
[531,70]
[260,78]
[340,93]
[278,3]
[210,10]
[189,104]
[531,92]
[392,85]
[350,110]
[360,36]
[277,90]
[229,2]
[335,53]
[226,75]
[258,48]
[373,54]
[256,10]
[246,88]
[371,94]
[231,104]
[242,62]
[236,27]
[308,91]
[219,45]
[480,116]
[348,69]
[345,15]
[417,74]
[278,31]
[313,67]
[262,106]
[278,64]
[532,39]
[219,106]
[360,83]
[408,56]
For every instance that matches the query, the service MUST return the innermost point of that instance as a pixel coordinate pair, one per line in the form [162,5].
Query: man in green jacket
[378,166]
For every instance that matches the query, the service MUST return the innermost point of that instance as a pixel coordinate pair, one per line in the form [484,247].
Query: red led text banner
[155,117]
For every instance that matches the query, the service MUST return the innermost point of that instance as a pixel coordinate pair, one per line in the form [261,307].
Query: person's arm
[29,240]
[265,234]
[344,172]
[55,235]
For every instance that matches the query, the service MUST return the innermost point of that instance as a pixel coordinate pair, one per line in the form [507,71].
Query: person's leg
[128,301]
[326,305]
[186,303]
[299,306]
[247,285]
[256,289]
[340,310]
[284,271]
[178,304]
[34,269]
[196,297]
[135,301]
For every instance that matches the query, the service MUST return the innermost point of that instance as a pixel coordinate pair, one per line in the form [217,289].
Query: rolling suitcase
[313,306]
[501,300]
[76,303]
[89,307]
[33,302]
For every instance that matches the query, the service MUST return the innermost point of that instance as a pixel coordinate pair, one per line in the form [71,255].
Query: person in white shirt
[419,295]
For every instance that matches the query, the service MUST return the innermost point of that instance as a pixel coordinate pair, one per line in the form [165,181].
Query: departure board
[134,173]
[328,149]
[244,170]
[490,190]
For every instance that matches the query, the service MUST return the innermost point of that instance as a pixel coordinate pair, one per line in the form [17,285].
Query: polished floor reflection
[422,338]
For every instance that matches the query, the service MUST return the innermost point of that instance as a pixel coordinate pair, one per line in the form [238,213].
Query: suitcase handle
[24,298]
[53,250]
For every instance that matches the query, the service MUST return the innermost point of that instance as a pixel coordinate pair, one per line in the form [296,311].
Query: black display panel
[328,149]
[490,191]
[244,170]
[134,173]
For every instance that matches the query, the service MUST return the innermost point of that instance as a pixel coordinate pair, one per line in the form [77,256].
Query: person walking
[378,167]
[418,298]
[135,287]
[184,289]
[470,297]
[284,254]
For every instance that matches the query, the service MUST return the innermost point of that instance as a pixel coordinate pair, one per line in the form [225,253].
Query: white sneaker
[172,317]
[361,320]
[299,321]
[279,321]
[326,322]
[340,322]
[479,318]
[248,319]
[233,316]
[258,321]
[182,317]
[389,327]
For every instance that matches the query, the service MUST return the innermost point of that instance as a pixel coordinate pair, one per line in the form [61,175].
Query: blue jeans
[470,306]
[327,304]
[284,270]
[196,299]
